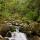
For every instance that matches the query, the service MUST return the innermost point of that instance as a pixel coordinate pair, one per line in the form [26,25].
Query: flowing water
[17,35]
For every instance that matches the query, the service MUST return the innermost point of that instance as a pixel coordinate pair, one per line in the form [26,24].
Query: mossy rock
[4,29]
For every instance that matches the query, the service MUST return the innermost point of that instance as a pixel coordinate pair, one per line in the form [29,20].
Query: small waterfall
[17,29]
[17,35]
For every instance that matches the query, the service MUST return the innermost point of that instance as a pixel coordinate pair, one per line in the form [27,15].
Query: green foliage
[13,29]
[31,15]
[28,9]
[39,18]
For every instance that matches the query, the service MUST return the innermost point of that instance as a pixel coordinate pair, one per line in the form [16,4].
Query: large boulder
[4,28]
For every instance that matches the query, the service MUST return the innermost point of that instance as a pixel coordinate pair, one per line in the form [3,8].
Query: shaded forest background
[20,10]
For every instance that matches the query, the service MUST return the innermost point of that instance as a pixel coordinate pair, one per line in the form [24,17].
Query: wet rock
[8,34]
[1,38]
[36,38]
[7,39]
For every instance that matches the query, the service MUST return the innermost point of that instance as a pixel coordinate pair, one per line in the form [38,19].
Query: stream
[17,35]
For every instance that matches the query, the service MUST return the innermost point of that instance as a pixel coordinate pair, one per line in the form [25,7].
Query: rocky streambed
[32,29]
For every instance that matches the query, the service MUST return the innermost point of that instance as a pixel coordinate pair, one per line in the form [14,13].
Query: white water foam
[18,36]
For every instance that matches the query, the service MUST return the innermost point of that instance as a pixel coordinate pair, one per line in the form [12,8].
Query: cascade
[17,35]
